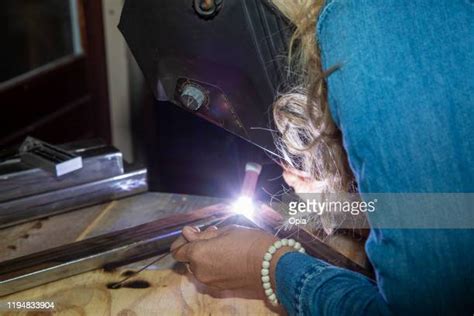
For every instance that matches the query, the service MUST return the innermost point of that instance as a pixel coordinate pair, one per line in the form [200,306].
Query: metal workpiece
[48,157]
[24,209]
[115,248]
[18,180]
[140,242]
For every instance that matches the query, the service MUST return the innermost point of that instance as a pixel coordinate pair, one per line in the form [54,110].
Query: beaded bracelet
[267,286]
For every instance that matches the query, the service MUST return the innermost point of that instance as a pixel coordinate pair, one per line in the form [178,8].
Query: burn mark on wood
[109,269]
[135,284]
[128,273]
[37,225]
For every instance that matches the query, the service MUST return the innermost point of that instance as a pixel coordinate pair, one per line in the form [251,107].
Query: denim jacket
[403,98]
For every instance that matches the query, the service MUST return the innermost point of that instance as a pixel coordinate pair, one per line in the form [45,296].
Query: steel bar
[32,207]
[137,243]
[141,242]
[19,180]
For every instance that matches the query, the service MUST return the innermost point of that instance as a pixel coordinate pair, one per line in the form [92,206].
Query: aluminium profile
[32,207]
[50,158]
[18,180]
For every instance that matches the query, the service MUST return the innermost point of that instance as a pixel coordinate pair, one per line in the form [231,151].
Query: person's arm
[304,285]
[308,286]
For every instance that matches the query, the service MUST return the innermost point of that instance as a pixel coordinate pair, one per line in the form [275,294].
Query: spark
[244,206]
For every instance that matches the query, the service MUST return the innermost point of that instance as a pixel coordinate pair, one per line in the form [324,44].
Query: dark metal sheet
[226,68]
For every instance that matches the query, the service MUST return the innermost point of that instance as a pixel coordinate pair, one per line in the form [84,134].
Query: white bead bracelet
[267,286]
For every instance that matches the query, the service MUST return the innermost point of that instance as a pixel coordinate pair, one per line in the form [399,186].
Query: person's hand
[227,258]
[301,182]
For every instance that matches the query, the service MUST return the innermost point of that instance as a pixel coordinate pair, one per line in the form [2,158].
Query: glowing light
[244,206]
[129,184]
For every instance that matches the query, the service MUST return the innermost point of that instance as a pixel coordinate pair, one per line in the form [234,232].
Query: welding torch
[243,206]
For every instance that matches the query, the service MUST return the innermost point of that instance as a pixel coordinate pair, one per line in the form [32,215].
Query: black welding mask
[224,60]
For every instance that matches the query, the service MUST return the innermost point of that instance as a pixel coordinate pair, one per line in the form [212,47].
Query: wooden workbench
[171,291]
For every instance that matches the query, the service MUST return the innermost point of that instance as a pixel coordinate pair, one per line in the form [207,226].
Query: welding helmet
[220,59]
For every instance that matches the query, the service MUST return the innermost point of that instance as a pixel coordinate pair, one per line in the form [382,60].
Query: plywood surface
[171,292]
[170,289]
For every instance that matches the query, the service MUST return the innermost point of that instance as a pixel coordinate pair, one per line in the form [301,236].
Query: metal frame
[18,180]
[16,211]
[116,248]
[140,242]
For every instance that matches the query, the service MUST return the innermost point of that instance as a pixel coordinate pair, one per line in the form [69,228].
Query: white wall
[118,78]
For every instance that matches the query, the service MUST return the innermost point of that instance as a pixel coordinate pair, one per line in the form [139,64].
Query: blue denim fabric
[404,101]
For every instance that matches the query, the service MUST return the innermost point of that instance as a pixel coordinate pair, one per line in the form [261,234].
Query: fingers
[210,232]
[292,179]
[190,251]
[182,253]
[301,183]
[178,243]
[180,248]
[190,233]
[193,233]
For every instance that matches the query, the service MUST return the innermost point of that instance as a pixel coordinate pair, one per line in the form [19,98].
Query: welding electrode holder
[252,172]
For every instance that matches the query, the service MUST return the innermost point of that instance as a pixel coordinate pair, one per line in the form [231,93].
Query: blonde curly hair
[309,140]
